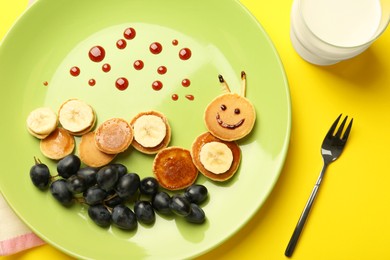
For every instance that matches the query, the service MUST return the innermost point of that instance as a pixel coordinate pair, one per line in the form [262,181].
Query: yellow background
[351,216]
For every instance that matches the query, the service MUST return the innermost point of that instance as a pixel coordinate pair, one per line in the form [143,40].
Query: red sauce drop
[106,67]
[157,85]
[121,44]
[129,33]
[45,83]
[162,70]
[175,97]
[185,54]
[122,83]
[92,82]
[155,47]
[185,83]
[190,97]
[97,53]
[74,71]
[175,42]
[138,65]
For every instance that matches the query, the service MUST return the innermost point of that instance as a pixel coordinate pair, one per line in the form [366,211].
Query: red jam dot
[74,71]
[106,67]
[190,97]
[162,70]
[175,42]
[185,83]
[97,53]
[129,33]
[157,85]
[175,97]
[155,48]
[138,65]
[185,54]
[121,44]
[122,83]
[92,82]
[45,83]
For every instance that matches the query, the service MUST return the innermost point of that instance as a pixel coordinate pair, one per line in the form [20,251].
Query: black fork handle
[302,219]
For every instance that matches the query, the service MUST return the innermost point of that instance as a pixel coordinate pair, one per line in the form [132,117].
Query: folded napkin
[15,236]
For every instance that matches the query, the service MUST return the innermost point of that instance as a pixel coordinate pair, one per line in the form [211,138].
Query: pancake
[113,136]
[230,117]
[208,138]
[58,144]
[90,154]
[174,169]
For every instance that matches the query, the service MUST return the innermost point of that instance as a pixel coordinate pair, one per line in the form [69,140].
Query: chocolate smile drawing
[224,125]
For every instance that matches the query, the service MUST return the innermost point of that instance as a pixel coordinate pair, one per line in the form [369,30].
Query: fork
[331,148]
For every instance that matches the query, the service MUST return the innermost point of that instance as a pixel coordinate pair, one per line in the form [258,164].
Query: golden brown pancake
[90,154]
[174,169]
[230,117]
[58,144]
[114,136]
[206,138]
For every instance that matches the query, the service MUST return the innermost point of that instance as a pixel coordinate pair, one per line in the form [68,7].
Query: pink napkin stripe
[20,243]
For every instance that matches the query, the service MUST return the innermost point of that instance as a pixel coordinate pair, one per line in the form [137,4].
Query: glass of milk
[324,32]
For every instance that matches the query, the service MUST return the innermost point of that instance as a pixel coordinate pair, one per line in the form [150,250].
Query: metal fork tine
[340,130]
[346,134]
[333,127]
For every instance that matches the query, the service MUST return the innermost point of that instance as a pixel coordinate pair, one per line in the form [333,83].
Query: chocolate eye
[237,111]
[223,107]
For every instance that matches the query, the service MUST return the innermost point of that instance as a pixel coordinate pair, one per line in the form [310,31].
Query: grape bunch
[115,196]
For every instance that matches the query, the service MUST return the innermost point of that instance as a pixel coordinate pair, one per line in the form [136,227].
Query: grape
[89,175]
[196,193]
[127,185]
[180,205]
[113,201]
[144,212]
[68,166]
[100,215]
[120,168]
[94,195]
[196,215]
[160,202]
[149,186]
[124,218]
[76,184]
[60,192]
[40,175]
[107,177]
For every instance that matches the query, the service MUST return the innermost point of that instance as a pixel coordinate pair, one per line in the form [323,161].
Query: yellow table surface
[351,215]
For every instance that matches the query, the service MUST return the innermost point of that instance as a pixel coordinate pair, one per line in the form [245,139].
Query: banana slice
[149,130]
[41,122]
[200,145]
[76,116]
[216,157]
[152,132]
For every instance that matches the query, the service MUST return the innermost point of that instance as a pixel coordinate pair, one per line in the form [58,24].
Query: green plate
[224,38]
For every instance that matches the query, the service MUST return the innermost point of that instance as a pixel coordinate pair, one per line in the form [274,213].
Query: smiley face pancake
[230,117]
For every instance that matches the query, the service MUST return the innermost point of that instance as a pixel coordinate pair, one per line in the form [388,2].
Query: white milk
[327,31]
[343,22]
